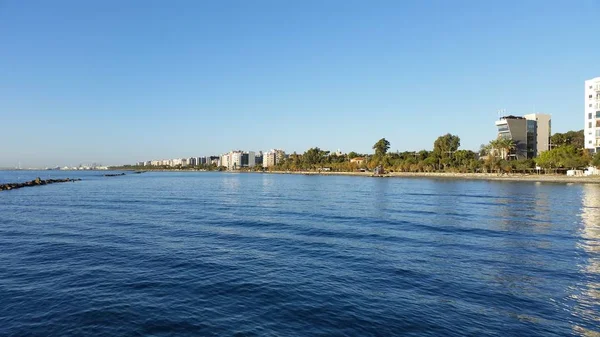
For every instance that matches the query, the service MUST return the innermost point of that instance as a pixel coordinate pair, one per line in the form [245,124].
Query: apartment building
[592,115]
[273,157]
[234,160]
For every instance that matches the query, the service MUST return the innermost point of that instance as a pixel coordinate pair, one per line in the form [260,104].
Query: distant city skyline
[117,82]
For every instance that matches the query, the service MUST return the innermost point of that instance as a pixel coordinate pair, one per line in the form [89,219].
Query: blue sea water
[224,254]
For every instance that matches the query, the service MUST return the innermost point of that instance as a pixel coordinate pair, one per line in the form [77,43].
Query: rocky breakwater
[36,182]
[114,175]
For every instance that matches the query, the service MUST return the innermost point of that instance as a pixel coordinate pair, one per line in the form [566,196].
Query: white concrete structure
[224,160]
[273,157]
[235,160]
[591,171]
[592,114]
[543,131]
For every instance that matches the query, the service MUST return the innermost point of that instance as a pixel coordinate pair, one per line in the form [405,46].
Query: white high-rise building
[232,160]
[273,157]
[592,114]
[225,161]
[236,160]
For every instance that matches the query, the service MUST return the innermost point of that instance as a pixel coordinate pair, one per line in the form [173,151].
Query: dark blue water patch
[188,254]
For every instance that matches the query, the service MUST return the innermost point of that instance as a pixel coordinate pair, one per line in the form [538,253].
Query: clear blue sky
[121,81]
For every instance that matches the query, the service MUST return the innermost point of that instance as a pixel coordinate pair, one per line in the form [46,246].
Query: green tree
[547,160]
[313,156]
[462,159]
[443,148]
[353,154]
[596,159]
[501,147]
[566,156]
[571,157]
[381,147]
[572,138]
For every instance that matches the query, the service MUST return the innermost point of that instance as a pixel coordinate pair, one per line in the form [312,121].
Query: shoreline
[548,178]
[514,177]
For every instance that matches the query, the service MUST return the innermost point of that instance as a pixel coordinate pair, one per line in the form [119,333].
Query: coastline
[547,178]
[514,177]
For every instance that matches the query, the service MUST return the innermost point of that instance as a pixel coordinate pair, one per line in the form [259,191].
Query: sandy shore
[548,178]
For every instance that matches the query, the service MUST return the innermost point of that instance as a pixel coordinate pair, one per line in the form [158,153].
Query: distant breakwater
[36,182]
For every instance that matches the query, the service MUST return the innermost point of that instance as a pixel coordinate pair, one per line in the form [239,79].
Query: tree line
[446,156]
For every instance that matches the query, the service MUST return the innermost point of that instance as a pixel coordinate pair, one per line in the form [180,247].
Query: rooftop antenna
[501,112]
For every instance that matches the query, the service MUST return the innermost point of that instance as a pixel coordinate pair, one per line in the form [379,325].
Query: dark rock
[114,174]
[36,182]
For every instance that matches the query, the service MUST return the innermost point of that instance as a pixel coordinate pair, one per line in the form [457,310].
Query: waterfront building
[234,160]
[273,157]
[592,115]
[258,158]
[224,161]
[358,160]
[530,134]
[539,137]
[248,159]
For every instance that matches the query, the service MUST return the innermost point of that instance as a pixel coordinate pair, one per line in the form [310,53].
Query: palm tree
[502,145]
[507,145]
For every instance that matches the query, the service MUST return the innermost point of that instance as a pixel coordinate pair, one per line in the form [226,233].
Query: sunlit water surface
[221,254]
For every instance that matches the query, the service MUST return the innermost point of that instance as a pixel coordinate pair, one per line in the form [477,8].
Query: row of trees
[446,156]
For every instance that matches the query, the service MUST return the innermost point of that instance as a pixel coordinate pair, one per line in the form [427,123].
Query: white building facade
[592,115]
[235,160]
[273,157]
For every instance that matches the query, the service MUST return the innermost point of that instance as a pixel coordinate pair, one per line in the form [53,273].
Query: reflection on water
[294,255]
[588,294]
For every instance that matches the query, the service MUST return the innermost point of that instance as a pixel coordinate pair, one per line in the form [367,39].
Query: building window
[597,133]
[597,114]
[590,125]
[590,115]
[590,96]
